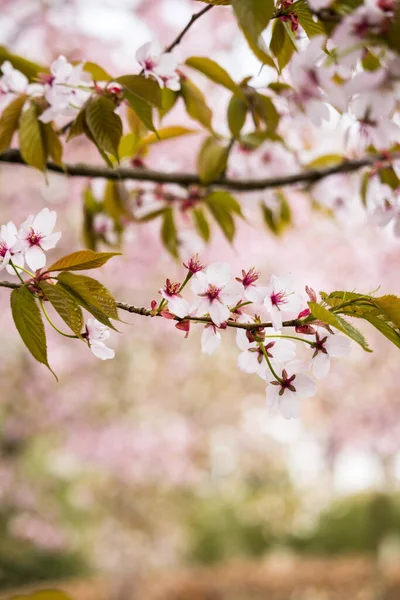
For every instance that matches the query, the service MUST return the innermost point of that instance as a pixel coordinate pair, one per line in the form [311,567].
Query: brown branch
[147,312]
[193,19]
[187,179]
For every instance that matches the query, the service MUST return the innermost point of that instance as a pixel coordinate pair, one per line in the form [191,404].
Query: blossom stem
[274,373]
[240,305]
[25,271]
[290,337]
[46,314]
[186,280]
[16,272]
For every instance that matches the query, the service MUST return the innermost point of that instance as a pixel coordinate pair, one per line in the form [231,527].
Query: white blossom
[252,359]
[280,299]
[9,248]
[328,345]
[36,237]
[162,66]
[285,394]
[217,292]
[96,334]
[176,304]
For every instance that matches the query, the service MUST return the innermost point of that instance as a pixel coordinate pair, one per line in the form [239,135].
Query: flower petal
[35,258]
[45,221]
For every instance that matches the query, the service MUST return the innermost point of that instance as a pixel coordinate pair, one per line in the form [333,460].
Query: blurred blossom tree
[309,131]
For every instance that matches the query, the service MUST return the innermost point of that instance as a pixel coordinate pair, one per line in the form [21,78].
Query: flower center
[319,345]
[212,293]
[34,238]
[286,383]
[361,28]
[278,298]
[171,288]
[3,249]
[248,278]
[149,64]
[267,348]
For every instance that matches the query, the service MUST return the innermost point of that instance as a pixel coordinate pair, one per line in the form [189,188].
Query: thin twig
[193,19]
[147,312]
[188,179]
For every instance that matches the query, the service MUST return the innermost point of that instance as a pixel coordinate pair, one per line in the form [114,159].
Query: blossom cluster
[67,87]
[27,245]
[225,301]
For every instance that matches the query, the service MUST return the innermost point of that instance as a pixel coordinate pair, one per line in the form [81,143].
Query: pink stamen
[278,298]
[34,238]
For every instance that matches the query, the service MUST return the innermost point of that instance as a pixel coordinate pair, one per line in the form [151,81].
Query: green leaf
[227,201]
[166,133]
[328,317]
[116,200]
[153,215]
[307,20]
[79,126]
[390,306]
[281,45]
[9,121]
[222,205]
[201,224]
[29,323]
[65,305]
[97,72]
[81,260]
[212,160]
[142,109]
[104,124]
[168,100]
[253,17]
[31,141]
[389,176]
[385,329]
[393,35]
[237,111]
[146,89]
[365,178]
[265,109]
[214,71]
[52,144]
[169,234]
[27,67]
[278,219]
[91,295]
[195,103]
[326,160]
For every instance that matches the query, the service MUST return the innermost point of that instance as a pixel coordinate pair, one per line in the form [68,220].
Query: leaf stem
[290,337]
[46,314]
[16,272]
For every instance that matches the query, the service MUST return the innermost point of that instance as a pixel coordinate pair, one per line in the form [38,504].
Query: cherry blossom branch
[193,19]
[147,312]
[188,179]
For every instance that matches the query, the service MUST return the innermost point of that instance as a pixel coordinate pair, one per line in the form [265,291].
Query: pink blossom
[210,339]
[280,299]
[161,66]
[326,346]
[217,292]
[96,333]
[36,237]
[293,386]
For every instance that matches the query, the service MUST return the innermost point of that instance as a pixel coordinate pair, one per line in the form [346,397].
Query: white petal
[321,365]
[289,406]
[305,386]
[241,339]
[50,241]
[35,258]
[101,351]
[338,345]
[293,303]
[255,294]
[45,221]
[283,350]
[210,340]
[167,64]
[273,396]
[219,312]
[199,283]
[248,361]
[218,274]
[178,306]
[276,317]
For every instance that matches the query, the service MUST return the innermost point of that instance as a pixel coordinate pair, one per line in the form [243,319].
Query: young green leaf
[81,260]
[9,121]
[27,67]
[227,201]
[31,142]
[169,234]
[390,307]
[52,144]
[265,110]
[142,109]
[328,317]
[146,89]
[211,160]
[222,205]
[253,17]
[201,224]
[79,126]
[214,71]
[104,124]
[90,293]
[281,45]
[168,100]
[237,111]
[97,72]
[29,323]
[195,103]
[65,305]
[166,133]
[309,23]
